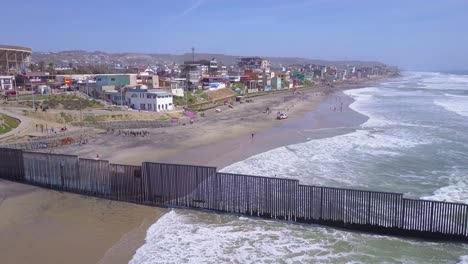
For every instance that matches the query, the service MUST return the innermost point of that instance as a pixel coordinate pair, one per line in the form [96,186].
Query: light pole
[81,118]
[121,97]
[34,104]
[14,87]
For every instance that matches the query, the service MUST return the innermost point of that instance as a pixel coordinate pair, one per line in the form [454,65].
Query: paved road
[22,127]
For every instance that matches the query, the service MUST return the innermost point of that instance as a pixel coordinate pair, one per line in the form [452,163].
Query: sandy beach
[43,226]
[222,138]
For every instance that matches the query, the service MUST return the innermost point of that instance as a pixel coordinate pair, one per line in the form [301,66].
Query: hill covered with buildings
[79,57]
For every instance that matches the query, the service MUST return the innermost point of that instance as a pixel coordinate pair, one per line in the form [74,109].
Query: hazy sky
[420,35]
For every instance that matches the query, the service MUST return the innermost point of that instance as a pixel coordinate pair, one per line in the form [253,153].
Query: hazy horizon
[413,35]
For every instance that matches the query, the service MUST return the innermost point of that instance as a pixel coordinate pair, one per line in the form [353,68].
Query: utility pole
[14,87]
[81,119]
[121,99]
[193,54]
[34,103]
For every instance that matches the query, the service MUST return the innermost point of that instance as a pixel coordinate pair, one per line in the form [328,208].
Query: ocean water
[415,142]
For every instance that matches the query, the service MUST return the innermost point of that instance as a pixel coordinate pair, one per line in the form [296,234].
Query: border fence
[199,187]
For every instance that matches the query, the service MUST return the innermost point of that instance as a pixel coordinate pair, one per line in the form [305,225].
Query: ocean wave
[362,99]
[445,82]
[367,103]
[192,238]
[197,237]
[455,191]
[459,107]
[455,95]
[343,156]
[463,259]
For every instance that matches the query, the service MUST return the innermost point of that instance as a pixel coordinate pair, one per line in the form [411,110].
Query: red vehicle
[10,92]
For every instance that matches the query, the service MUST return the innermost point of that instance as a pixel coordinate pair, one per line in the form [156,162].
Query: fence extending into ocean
[200,187]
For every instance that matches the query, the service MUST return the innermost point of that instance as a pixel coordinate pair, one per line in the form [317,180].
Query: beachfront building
[177,86]
[149,100]
[149,78]
[276,83]
[192,73]
[250,84]
[101,92]
[31,80]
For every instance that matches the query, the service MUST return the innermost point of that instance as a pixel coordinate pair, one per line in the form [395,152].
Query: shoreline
[313,124]
[221,140]
[230,129]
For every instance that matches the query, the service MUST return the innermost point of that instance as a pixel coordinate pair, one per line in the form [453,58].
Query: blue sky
[413,34]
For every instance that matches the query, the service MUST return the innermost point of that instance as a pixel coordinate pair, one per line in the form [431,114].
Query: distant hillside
[285,61]
[64,58]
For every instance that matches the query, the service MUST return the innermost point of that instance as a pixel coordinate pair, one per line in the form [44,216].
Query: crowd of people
[44,129]
[338,105]
[122,132]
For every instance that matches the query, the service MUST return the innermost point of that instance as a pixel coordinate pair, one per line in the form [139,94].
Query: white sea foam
[197,237]
[342,156]
[463,259]
[190,237]
[457,105]
[456,95]
[445,82]
[456,191]
[362,99]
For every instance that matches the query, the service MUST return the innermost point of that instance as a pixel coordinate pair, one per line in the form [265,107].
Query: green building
[276,83]
[116,80]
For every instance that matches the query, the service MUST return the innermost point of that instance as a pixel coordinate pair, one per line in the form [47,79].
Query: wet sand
[302,127]
[43,226]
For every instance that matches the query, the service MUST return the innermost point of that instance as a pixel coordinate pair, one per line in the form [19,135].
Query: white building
[149,100]
[6,82]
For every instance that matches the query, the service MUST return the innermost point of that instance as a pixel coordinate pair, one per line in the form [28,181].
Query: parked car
[10,92]
[280,116]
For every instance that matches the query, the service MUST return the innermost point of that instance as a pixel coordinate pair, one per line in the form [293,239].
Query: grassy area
[37,97]
[61,101]
[197,97]
[7,123]
[70,102]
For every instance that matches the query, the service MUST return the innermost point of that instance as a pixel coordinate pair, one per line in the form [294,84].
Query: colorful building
[276,83]
[117,80]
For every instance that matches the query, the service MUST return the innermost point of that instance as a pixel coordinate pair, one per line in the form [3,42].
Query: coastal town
[202,131]
[177,114]
[80,109]
[160,87]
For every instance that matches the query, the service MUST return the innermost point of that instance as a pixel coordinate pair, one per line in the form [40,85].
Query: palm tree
[42,66]
[33,67]
[50,69]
